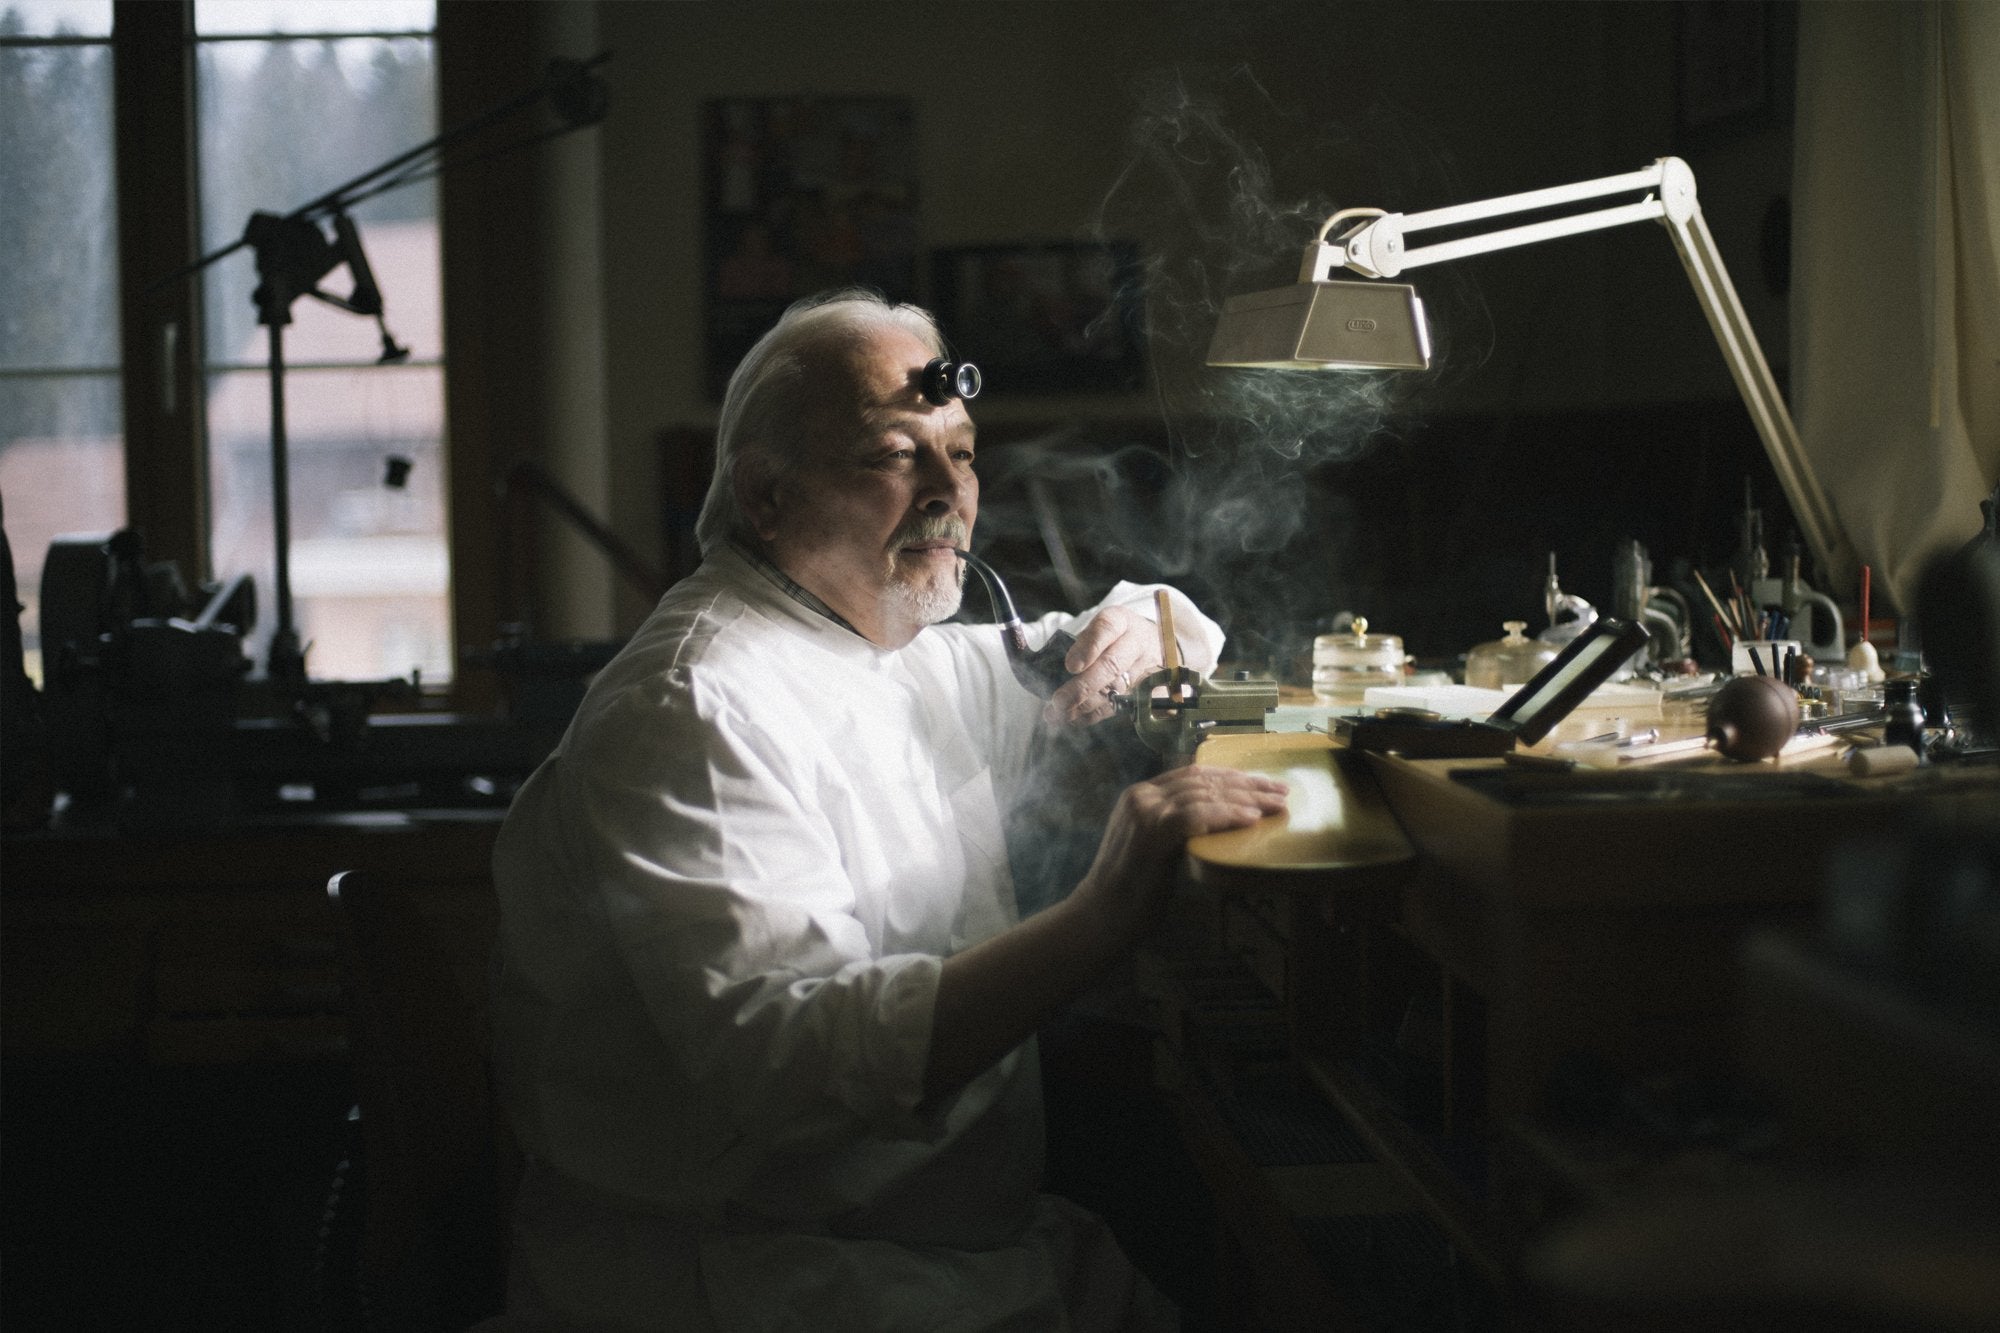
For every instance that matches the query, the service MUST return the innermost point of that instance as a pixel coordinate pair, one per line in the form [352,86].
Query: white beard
[928,601]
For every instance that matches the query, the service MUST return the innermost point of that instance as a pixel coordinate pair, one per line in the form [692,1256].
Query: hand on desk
[1149,829]
[991,996]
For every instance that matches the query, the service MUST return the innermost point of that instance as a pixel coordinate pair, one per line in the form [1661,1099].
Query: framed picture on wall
[801,194]
[1724,70]
[1050,318]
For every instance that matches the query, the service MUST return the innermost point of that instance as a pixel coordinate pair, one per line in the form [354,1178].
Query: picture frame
[1723,70]
[801,194]
[1044,318]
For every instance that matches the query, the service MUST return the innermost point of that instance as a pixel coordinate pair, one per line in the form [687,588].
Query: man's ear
[757,486]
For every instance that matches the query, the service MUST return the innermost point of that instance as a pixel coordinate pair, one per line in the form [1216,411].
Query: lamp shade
[1324,326]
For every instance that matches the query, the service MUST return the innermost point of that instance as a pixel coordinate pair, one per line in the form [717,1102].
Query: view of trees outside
[62,463]
[281,121]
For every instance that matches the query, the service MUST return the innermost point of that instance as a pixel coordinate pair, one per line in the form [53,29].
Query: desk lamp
[1321,324]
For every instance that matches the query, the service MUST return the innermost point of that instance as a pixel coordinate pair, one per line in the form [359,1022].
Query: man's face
[882,494]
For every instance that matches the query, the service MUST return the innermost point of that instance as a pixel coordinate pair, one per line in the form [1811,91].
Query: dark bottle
[1904,716]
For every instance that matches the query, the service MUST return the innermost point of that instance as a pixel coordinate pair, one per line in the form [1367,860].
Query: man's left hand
[1115,650]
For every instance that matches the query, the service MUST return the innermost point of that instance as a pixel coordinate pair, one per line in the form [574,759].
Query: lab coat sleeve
[723,894]
[1200,638]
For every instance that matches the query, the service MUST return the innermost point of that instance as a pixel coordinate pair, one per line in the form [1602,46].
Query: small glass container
[1347,665]
[1513,660]
[1845,689]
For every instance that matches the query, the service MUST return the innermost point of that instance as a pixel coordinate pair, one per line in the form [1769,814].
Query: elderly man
[764,1002]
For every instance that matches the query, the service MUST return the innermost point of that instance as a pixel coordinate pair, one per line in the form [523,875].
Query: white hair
[764,409]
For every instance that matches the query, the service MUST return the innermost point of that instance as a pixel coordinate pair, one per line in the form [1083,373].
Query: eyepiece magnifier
[944,379]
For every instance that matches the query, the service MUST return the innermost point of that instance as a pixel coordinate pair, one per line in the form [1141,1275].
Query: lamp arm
[1759,390]
[578,96]
[1378,249]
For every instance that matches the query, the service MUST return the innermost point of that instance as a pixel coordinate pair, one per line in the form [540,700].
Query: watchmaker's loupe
[944,380]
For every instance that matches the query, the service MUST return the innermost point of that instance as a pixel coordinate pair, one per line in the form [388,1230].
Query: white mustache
[930,529]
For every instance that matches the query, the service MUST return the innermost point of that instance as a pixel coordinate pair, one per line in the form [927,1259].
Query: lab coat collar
[764,585]
[790,586]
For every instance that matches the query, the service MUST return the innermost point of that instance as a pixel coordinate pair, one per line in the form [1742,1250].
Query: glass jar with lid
[1513,660]
[1346,665]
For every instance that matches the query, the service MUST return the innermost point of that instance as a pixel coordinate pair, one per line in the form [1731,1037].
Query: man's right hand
[1149,828]
[992,996]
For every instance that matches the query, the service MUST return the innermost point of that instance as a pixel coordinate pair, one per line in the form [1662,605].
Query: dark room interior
[1592,1045]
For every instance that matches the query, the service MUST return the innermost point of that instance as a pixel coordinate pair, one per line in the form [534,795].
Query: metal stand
[294,255]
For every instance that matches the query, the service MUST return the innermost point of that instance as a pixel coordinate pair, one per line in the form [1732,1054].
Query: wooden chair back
[436,1171]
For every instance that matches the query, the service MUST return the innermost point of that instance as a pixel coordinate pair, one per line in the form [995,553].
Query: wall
[1025,113]
[571,215]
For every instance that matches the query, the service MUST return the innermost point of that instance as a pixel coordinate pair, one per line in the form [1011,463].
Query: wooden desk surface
[1336,830]
[1707,833]
[216,946]
[448,845]
[1711,835]
[1543,921]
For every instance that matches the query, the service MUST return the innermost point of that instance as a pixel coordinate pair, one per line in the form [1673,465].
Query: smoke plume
[1223,188]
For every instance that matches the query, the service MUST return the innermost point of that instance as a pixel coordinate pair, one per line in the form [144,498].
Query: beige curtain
[1896,274]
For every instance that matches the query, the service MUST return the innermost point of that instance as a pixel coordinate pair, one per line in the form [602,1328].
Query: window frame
[161,335]
[162,338]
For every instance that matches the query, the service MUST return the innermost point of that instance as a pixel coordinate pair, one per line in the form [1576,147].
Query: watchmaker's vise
[1174,708]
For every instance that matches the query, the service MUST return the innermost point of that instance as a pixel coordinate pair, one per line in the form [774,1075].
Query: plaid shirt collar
[790,586]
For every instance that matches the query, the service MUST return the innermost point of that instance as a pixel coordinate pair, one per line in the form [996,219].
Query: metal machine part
[148,685]
[140,677]
[1569,615]
[1662,610]
[294,255]
[1174,710]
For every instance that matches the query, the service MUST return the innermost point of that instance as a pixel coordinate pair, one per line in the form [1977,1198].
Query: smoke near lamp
[1320,324]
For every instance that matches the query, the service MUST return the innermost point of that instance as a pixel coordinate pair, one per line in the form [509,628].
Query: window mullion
[166,462]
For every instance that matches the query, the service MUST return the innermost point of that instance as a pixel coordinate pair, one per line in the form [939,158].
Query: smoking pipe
[1042,671]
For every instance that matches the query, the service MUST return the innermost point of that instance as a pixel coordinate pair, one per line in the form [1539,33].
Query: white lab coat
[724,902]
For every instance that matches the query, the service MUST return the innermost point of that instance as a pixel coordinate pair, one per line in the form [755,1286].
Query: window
[62,461]
[99,425]
[296,99]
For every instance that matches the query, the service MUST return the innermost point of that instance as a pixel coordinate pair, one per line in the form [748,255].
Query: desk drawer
[71,988]
[235,1039]
[1254,939]
[266,968]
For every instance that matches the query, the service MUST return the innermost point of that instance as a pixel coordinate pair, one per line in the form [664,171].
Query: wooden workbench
[1545,956]
[216,946]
